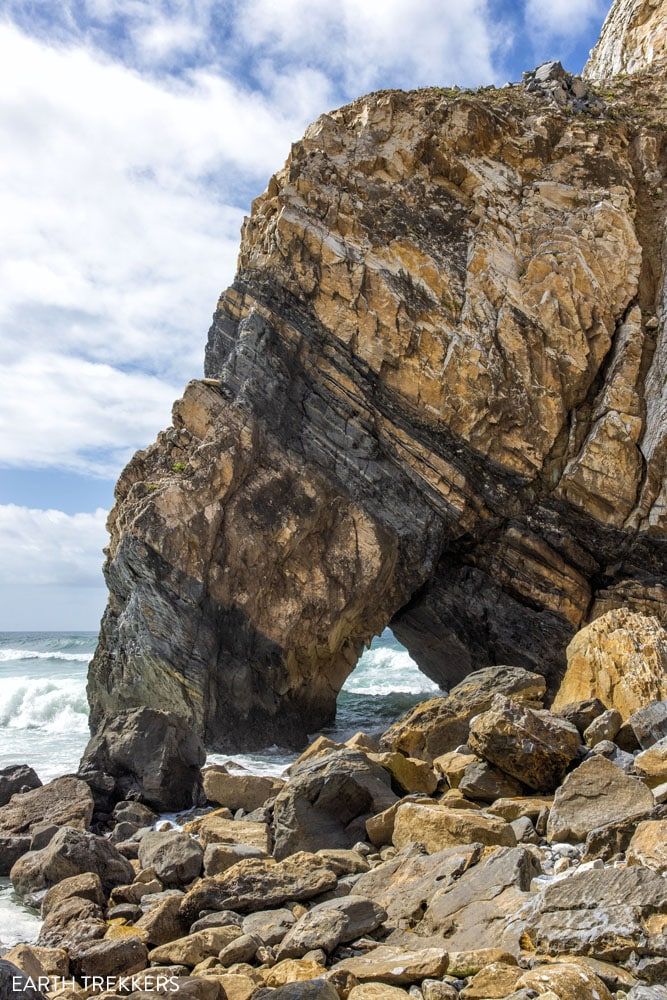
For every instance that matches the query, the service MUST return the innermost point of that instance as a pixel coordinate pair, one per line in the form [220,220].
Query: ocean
[44,717]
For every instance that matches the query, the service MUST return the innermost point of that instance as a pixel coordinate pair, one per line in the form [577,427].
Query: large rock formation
[435,398]
[633,39]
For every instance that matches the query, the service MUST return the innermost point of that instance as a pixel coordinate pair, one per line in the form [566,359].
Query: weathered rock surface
[71,852]
[620,658]
[239,791]
[65,801]
[632,39]
[439,725]
[175,857]
[435,399]
[16,778]
[327,801]
[596,794]
[437,827]
[395,965]
[331,923]
[648,846]
[534,747]
[11,976]
[148,753]
[651,764]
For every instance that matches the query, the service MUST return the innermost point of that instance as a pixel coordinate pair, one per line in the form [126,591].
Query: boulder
[241,949]
[651,764]
[63,802]
[309,989]
[239,791]
[404,885]
[215,828]
[605,913]
[596,794]
[380,828]
[452,765]
[70,852]
[219,857]
[408,774]
[649,724]
[293,970]
[15,779]
[516,808]
[73,922]
[605,727]
[36,961]
[149,754]
[163,922]
[327,801]
[175,857]
[481,782]
[194,948]
[109,958]
[563,980]
[13,983]
[331,923]
[621,658]
[648,846]
[85,886]
[495,980]
[483,905]
[270,926]
[396,966]
[439,725]
[535,747]
[437,827]
[580,713]
[379,991]
[258,884]
[12,847]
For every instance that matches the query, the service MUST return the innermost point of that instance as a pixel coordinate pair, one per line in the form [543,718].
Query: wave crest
[54,706]
[33,654]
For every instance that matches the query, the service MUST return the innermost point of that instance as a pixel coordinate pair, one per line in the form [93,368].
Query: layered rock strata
[435,398]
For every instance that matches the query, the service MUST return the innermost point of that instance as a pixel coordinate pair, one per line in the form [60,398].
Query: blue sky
[135,134]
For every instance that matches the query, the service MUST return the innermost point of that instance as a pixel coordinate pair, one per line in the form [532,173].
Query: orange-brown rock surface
[435,398]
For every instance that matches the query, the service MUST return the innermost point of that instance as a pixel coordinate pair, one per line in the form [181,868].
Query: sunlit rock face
[435,399]
[633,39]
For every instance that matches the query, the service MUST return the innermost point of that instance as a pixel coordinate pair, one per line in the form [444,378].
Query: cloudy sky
[134,135]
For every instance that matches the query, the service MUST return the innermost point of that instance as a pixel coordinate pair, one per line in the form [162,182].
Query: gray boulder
[176,858]
[12,847]
[146,754]
[16,778]
[14,984]
[63,802]
[649,724]
[71,852]
[331,923]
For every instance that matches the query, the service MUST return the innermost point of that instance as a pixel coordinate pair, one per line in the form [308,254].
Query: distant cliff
[436,400]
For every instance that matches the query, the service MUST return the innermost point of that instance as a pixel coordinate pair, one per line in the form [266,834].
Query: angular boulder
[149,754]
[651,764]
[239,791]
[397,966]
[63,802]
[535,747]
[328,924]
[175,857]
[439,725]
[16,778]
[649,724]
[109,958]
[437,827]
[71,852]
[596,794]
[620,658]
[480,782]
[327,801]
[648,846]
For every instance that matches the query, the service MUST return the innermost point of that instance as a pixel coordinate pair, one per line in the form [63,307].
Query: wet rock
[63,802]
[437,827]
[483,905]
[596,794]
[483,783]
[534,747]
[327,801]
[439,725]
[605,913]
[257,884]
[332,923]
[194,948]
[621,658]
[605,727]
[648,846]
[70,852]
[175,857]
[15,779]
[149,754]
[397,966]
[239,791]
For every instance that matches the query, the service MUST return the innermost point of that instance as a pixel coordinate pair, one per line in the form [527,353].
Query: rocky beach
[434,402]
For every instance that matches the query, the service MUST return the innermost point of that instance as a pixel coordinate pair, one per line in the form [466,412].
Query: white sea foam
[17,923]
[384,670]
[6,655]
[55,705]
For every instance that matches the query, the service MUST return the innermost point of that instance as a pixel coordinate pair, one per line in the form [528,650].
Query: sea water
[44,718]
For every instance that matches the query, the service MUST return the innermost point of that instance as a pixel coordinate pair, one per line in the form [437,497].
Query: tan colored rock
[36,961]
[468,963]
[85,886]
[216,829]
[377,991]
[410,774]
[495,980]
[534,747]
[454,798]
[651,764]
[452,765]
[620,658]
[63,802]
[565,981]
[292,970]
[163,922]
[239,791]
[237,987]
[396,966]
[120,928]
[438,827]
[515,808]
[649,845]
[596,794]
[194,948]
[380,828]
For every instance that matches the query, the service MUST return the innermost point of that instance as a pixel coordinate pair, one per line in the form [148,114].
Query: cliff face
[435,399]
[633,39]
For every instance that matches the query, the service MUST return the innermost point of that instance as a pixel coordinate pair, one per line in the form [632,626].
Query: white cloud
[74,414]
[565,19]
[42,547]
